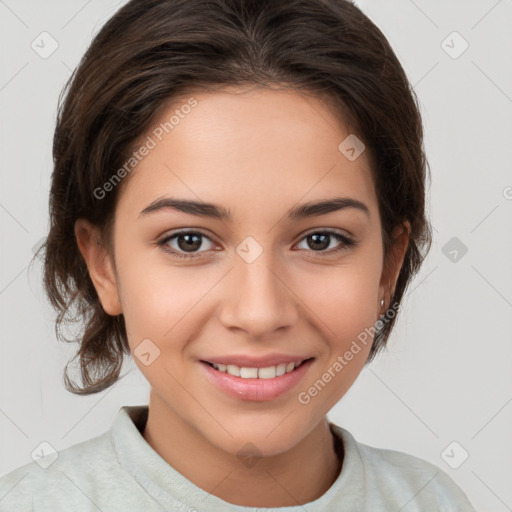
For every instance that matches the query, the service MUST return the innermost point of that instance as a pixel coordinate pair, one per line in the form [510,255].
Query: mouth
[249,372]
[255,383]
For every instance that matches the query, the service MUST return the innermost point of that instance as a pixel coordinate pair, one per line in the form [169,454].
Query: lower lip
[255,389]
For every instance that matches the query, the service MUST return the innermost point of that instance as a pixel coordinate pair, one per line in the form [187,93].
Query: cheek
[344,297]
[162,302]
[158,306]
[343,303]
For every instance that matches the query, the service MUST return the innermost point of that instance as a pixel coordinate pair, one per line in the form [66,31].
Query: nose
[258,298]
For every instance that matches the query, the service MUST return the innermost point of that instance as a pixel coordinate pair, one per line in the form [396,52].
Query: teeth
[256,373]
[233,370]
[248,373]
[281,369]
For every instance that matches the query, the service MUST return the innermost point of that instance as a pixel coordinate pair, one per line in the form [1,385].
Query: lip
[257,362]
[255,389]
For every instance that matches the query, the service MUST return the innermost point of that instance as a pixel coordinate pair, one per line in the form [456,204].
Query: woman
[238,201]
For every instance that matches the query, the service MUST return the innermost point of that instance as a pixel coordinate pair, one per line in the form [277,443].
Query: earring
[381,303]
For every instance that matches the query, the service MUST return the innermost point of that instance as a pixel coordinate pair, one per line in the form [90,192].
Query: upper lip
[256,362]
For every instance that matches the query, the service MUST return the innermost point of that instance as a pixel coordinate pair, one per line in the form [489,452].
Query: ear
[99,264]
[393,265]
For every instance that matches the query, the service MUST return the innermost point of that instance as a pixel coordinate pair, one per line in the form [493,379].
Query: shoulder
[73,475]
[404,481]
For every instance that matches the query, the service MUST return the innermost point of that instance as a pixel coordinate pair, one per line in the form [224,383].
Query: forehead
[248,147]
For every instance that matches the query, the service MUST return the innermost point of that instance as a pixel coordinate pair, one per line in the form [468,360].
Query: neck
[295,477]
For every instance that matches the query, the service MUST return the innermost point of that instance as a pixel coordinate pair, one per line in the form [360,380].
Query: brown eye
[319,241]
[185,244]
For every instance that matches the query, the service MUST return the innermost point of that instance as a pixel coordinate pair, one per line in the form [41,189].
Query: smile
[269,372]
[256,384]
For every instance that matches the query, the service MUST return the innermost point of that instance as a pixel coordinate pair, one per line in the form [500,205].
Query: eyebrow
[214,211]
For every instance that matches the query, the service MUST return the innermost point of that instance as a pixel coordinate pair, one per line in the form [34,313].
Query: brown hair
[150,52]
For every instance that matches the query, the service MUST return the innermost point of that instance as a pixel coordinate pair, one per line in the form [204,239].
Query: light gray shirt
[119,471]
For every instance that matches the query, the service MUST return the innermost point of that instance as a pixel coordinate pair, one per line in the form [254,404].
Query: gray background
[447,374]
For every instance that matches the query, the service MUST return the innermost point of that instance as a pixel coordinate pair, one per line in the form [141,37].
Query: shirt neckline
[167,486]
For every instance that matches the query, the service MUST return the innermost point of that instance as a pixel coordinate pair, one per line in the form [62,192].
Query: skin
[258,152]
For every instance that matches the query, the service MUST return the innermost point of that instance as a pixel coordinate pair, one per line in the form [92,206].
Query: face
[257,285]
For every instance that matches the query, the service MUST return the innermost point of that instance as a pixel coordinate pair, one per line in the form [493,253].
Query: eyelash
[346,243]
